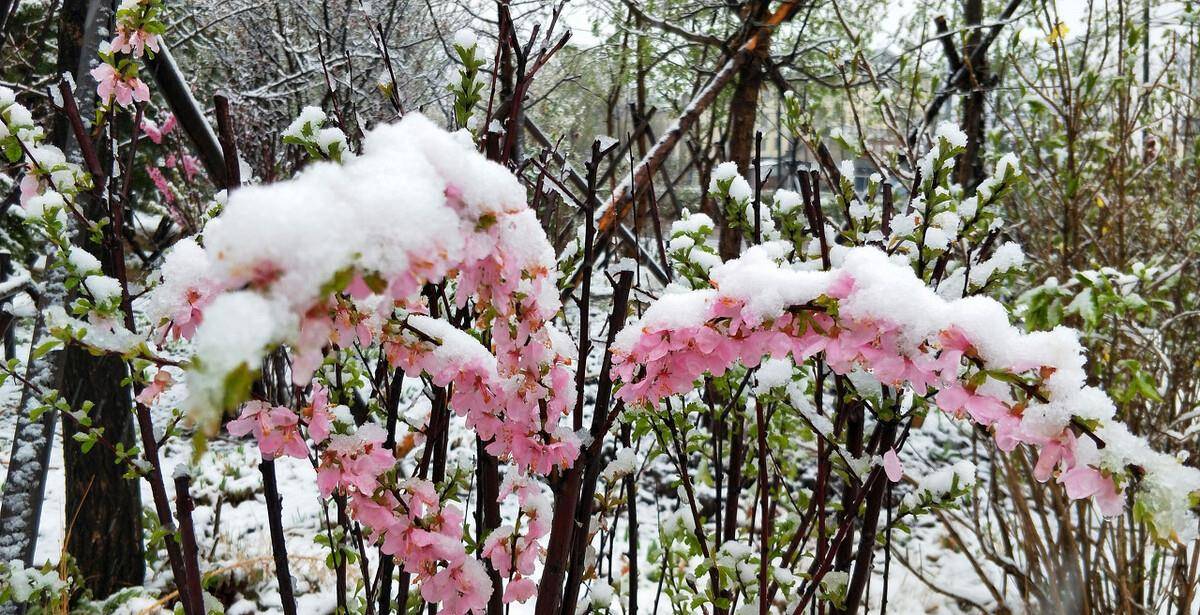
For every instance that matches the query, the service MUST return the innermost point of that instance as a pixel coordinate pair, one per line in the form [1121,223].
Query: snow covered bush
[358,281]
[892,307]
[481,420]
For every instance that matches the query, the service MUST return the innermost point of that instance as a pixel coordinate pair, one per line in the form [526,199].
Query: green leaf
[237,386]
[12,150]
[43,349]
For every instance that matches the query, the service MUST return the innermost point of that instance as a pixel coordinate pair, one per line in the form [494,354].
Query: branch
[621,200]
[188,113]
[977,55]
[666,26]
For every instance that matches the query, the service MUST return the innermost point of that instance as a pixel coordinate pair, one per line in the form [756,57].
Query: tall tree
[103,509]
[743,106]
[976,80]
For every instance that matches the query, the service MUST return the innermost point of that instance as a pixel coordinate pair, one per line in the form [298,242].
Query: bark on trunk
[25,485]
[969,171]
[743,114]
[103,509]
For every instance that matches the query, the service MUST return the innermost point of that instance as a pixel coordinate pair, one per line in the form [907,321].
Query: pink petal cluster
[355,460]
[161,184]
[318,416]
[666,358]
[112,84]
[190,312]
[506,411]
[155,132]
[408,520]
[134,41]
[513,555]
[275,428]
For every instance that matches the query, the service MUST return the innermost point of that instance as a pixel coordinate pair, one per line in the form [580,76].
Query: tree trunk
[103,509]
[25,485]
[743,115]
[969,171]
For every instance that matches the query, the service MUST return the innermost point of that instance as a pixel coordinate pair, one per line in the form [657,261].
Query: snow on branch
[872,312]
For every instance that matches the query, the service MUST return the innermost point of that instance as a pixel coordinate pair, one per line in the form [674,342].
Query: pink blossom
[1061,449]
[134,42]
[1007,432]
[1086,481]
[498,548]
[953,338]
[307,353]
[190,312]
[983,409]
[461,588]
[349,326]
[892,466]
[112,84]
[275,428]
[519,590]
[162,381]
[354,461]
[317,415]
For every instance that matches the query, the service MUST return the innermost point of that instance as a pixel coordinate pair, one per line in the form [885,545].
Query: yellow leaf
[1058,31]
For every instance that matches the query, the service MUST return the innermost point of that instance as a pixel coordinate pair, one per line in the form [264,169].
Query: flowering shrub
[408,252]
[892,304]
[138,29]
[1027,388]
[359,282]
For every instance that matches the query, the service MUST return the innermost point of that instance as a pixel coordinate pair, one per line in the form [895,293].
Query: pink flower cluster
[486,240]
[504,411]
[188,164]
[161,184]
[125,88]
[155,131]
[277,429]
[134,41]
[514,555]
[426,538]
[674,357]
[406,518]
[116,78]
[502,394]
